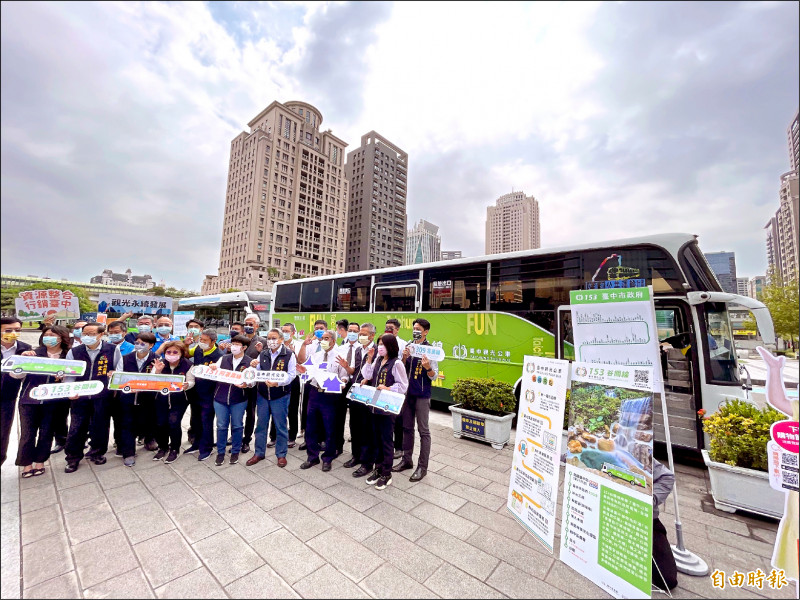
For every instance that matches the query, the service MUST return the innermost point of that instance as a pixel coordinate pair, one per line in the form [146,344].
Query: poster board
[138,305]
[130,382]
[179,321]
[533,488]
[607,513]
[35,305]
[54,391]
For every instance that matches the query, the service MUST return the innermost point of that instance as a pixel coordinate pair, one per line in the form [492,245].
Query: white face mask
[273,344]
[325,345]
[236,349]
[203,346]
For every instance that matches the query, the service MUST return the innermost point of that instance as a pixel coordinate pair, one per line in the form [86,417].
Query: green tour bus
[488,312]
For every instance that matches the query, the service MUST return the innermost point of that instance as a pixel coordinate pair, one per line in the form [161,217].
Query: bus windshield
[219,311]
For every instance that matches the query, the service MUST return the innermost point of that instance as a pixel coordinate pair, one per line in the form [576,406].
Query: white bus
[489,312]
[218,311]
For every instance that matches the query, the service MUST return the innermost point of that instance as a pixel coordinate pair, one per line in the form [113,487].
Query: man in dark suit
[10,330]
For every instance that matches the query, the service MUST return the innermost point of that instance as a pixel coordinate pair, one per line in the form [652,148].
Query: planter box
[735,488]
[482,426]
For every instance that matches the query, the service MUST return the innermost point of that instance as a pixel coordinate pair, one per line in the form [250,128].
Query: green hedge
[484,395]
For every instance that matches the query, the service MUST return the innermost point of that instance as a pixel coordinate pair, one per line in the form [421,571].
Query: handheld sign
[42,365]
[51,391]
[385,400]
[324,379]
[279,377]
[432,352]
[221,375]
[129,383]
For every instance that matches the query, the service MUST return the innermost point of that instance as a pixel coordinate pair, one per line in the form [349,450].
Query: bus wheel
[127,389]
[18,370]
[60,374]
[165,391]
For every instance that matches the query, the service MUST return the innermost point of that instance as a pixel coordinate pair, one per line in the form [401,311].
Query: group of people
[272,413]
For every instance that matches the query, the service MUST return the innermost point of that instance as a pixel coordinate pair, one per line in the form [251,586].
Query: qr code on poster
[789,461]
[789,480]
[641,376]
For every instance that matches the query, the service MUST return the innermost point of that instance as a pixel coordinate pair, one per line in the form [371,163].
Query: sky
[622,119]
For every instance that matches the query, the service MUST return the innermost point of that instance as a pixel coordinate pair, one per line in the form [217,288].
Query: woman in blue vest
[273,399]
[387,373]
[91,412]
[170,408]
[36,416]
[230,401]
[206,353]
[139,361]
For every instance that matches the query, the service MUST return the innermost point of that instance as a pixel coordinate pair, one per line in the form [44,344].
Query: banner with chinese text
[35,305]
[138,305]
[533,488]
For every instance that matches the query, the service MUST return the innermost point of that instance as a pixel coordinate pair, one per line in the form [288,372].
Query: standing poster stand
[605,333]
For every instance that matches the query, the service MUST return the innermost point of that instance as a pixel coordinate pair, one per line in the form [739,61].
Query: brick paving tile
[132,584]
[45,559]
[398,521]
[516,584]
[450,582]
[299,520]
[390,582]
[460,554]
[408,557]
[196,584]
[327,582]
[263,581]
[65,586]
[237,560]
[445,520]
[345,554]
[88,523]
[288,556]
[41,523]
[348,520]
[102,558]
[166,557]
[197,521]
[145,521]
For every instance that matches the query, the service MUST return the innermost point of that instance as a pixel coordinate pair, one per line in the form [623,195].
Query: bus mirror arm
[760,311]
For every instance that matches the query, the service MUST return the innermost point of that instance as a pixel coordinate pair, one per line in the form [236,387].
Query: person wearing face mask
[417,406]
[133,407]
[144,324]
[205,354]
[193,331]
[254,348]
[171,408]
[385,372]
[230,401]
[60,418]
[311,345]
[393,327]
[288,331]
[360,415]
[347,358]
[91,414]
[273,399]
[163,334]
[322,405]
[77,331]
[10,330]
[115,335]
[224,342]
[342,327]
[35,416]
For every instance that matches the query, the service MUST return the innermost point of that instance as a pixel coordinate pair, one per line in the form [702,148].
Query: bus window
[397,276]
[698,273]
[721,355]
[287,297]
[457,288]
[316,296]
[636,266]
[351,295]
[402,298]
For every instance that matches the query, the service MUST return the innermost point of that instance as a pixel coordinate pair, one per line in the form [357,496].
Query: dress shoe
[303,446]
[56,448]
[98,459]
[419,474]
[398,454]
[254,460]
[361,471]
[326,466]
[402,466]
[151,446]
[350,463]
[71,467]
[245,448]
[282,462]
[309,463]
[292,444]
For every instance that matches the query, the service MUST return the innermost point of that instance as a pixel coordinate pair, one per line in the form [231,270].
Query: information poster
[138,305]
[607,517]
[35,305]
[533,489]
[616,327]
[179,321]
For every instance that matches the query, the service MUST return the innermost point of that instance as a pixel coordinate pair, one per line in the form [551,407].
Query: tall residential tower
[423,244]
[512,224]
[286,201]
[376,230]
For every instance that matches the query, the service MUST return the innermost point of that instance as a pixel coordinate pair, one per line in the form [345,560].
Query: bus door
[391,298]
[680,369]
[564,342]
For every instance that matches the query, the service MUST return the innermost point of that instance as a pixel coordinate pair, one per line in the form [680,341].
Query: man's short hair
[9,321]
[211,333]
[394,322]
[118,324]
[342,323]
[196,322]
[369,327]
[426,325]
[147,337]
[100,327]
[291,326]
[321,322]
[253,316]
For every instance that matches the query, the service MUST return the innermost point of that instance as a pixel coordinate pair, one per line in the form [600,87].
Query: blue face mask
[318,333]
[76,333]
[164,329]
[286,336]
[89,340]
[352,336]
[248,330]
[50,340]
[194,331]
[114,337]
[144,328]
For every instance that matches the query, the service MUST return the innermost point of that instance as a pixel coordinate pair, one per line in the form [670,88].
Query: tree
[781,299]
[230,290]
[157,291]
[272,272]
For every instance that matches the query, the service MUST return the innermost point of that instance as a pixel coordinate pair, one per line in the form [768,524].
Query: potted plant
[737,458]
[484,410]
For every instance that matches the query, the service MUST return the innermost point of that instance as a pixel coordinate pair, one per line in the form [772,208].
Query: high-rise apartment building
[376,228]
[724,266]
[286,201]
[793,137]
[743,286]
[782,229]
[423,243]
[512,224]
[451,254]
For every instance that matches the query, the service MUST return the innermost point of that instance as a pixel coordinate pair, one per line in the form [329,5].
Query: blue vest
[31,381]
[419,384]
[383,373]
[129,365]
[97,370]
[227,393]
[281,364]
[206,387]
